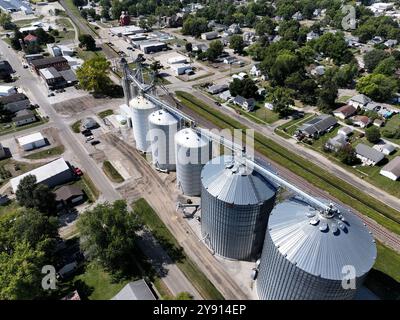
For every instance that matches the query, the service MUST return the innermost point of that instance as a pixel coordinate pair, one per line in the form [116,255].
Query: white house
[7,90]
[32,141]
[345,131]
[255,72]
[392,169]
[368,155]
[359,100]
[385,148]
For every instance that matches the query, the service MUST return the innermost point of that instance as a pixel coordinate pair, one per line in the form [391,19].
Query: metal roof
[162,118]
[42,173]
[228,181]
[321,245]
[190,139]
[140,102]
[393,167]
[369,153]
[137,290]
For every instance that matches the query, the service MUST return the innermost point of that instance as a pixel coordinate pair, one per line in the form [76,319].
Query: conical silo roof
[321,245]
[231,182]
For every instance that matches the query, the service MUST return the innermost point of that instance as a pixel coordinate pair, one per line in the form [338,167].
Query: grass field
[291,126]
[111,172]
[105,113]
[46,153]
[338,188]
[175,251]
[76,126]
[99,283]
[9,208]
[393,124]
[9,128]
[90,189]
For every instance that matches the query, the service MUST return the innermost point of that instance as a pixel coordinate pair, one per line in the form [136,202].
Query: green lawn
[46,153]
[112,173]
[92,192]
[87,55]
[99,283]
[10,127]
[9,208]
[393,124]
[11,168]
[291,126]
[105,113]
[260,115]
[25,22]
[337,187]
[174,250]
[343,99]
[76,126]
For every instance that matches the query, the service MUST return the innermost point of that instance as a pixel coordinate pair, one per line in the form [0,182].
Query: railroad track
[164,205]
[379,232]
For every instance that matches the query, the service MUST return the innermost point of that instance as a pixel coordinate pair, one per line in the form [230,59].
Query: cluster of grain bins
[303,253]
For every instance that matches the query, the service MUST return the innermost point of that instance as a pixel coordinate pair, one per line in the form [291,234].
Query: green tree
[215,49]
[194,26]
[155,67]
[285,64]
[87,41]
[188,46]
[5,114]
[246,88]
[373,134]
[377,86]
[373,58]
[93,75]
[108,236]
[334,46]
[387,66]
[236,43]
[32,195]
[20,272]
[347,155]
[5,21]
[24,193]
[282,101]
[265,26]
[327,95]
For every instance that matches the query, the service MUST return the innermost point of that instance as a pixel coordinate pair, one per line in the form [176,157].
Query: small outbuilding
[392,169]
[32,141]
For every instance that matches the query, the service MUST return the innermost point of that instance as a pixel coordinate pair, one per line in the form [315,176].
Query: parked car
[218,104]
[51,94]
[67,270]
[87,132]
[90,138]
[78,172]
[129,48]
[94,142]
[25,66]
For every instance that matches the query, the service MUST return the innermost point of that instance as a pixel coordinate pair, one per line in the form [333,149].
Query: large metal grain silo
[235,206]
[162,129]
[307,254]
[192,152]
[141,108]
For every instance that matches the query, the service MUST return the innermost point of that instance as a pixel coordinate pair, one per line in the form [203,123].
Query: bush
[373,134]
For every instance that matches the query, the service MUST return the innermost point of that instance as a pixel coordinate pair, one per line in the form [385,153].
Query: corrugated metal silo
[192,152]
[163,127]
[141,109]
[235,206]
[307,254]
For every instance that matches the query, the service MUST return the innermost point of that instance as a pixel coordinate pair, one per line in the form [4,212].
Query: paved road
[382,234]
[78,21]
[174,278]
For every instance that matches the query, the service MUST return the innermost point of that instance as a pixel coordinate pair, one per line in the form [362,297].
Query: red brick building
[124,19]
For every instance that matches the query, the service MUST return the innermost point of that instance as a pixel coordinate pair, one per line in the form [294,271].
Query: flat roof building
[51,174]
[32,141]
[392,169]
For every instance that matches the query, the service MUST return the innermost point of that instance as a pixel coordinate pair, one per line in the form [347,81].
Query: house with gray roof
[359,100]
[246,104]
[336,143]
[23,117]
[317,126]
[137,290]
[392,169]
[368,155]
